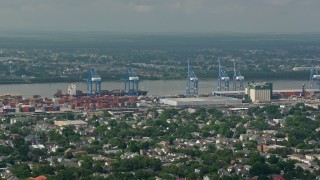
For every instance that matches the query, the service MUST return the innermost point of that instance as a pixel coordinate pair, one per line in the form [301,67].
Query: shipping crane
[237,78]
[93,79]
[314,76]
[223,77]
[303,91]
[192,82]
[10,67]
[131,83]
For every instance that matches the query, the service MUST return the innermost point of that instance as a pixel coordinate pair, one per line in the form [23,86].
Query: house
[69,162]
[19,119]
[112,151]
[310,157]
[312,142]
[32,138]
[206,177]
[38,178]
[230,169]
[191,110]
[254,137]
[197,171]
[38,146]
[247,167]
[298,157]
[128,155]
[223,172]
[243,137]
[305,166]
[266,148]
[277,177]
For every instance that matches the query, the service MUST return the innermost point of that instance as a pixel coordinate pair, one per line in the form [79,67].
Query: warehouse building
[70,123]
[200,101]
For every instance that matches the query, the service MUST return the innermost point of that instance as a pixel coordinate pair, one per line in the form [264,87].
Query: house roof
[38,178]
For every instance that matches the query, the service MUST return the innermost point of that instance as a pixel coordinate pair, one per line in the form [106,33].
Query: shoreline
[297,78]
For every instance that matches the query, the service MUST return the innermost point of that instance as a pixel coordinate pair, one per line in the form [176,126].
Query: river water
[155,87]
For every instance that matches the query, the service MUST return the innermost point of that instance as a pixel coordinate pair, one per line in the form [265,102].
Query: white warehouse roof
[200,101]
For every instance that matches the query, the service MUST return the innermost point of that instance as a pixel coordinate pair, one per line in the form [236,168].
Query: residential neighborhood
[158,141]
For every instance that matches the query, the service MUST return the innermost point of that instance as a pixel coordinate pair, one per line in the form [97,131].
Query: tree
[98,168]
[255,157]
[36,153]
[21,171]
[86,162]
[273,159]
[23,152]
[272,110]
[54,136]
[154,113]
[238,145]
[68,116]
[214,112]
[43,170]
[259,169]
[94,117]
[72,173]
[106,114]
[168,113]
[241,130]
[17,142]
[69,155]
[5,150]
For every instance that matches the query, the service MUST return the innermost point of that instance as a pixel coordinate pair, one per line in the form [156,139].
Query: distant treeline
[294,75]
[122,42]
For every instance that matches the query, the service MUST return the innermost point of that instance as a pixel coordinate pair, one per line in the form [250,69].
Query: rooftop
[202,99]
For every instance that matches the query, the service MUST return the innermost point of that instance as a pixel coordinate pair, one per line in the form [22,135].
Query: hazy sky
[162,15]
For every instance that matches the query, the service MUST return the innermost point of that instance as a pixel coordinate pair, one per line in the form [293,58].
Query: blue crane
[237,77]
[223,77]
[191,79]
[93,79]
[314,76]
[131,83]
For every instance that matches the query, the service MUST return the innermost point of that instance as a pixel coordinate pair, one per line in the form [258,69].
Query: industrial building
[69,123]
[289,93]
[259,92]
[200,101]
[304,68]
[234,94]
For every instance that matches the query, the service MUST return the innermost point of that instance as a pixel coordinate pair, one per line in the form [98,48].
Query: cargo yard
[36,104]
[94,98]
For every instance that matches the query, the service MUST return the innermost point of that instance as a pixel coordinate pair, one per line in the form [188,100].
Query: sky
[290,16]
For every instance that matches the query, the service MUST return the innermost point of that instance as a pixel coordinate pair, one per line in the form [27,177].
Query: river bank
[154,88]
[249,76]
